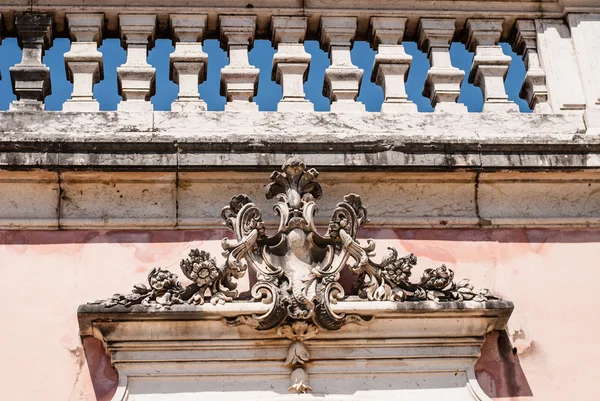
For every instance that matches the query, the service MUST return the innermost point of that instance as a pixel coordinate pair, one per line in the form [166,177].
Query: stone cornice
[169,141]
[314,9]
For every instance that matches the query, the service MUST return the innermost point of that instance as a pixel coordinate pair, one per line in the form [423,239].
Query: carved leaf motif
[300,381]
[297,354]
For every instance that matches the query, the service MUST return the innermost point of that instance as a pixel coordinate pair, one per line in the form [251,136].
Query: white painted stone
[442,85]
[342,78]
[117,200]
[239,79]
[291,62]
[534,89]
[557,58]
[83,61]
[188,63]
[391,64]
[136,77]
[29,200]
[31,77]
[490,64]
[585,32]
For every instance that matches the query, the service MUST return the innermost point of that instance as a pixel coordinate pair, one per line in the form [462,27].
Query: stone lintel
[395,332]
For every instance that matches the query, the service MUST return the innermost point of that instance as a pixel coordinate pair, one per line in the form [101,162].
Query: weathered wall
[548,274]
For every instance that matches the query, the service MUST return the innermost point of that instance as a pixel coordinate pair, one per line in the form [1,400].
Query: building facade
[298,303]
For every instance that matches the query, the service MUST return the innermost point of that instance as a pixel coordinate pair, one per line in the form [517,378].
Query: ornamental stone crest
[297,267]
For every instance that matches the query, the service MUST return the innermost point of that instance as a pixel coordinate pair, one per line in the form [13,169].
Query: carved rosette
[297,268]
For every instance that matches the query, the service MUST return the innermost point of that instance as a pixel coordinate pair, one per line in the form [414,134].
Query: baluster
[442,85]
[83,61]
[534,89]
[31,78]
[188,63]
[239,79]
[136,77]
[391,65]
[291,62]
[490,64]
[342,78]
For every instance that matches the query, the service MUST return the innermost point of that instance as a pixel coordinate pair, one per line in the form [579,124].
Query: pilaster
[31,77]
[391,65]
[83,62]
[442,85]
[534,89]
[291,62]
[188,63]
[490,64]
[239,79]
[342,78]
[136,77]
[585,32]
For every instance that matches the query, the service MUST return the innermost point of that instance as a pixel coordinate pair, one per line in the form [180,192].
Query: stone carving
[298,355]
[297,268]
[164,291]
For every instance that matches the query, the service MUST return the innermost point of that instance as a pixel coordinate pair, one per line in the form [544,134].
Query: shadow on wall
[105,378]
[499,371]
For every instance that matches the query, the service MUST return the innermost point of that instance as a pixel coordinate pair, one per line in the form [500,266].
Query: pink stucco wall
[549,352]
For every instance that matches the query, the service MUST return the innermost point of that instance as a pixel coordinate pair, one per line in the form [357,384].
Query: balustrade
[543,87]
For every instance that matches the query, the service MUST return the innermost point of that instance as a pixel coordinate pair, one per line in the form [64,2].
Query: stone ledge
[187,352]
[204,141]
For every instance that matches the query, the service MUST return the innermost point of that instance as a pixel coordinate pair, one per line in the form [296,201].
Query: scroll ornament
[297,268]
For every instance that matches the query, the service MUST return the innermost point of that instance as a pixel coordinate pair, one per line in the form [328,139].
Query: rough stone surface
[117,200]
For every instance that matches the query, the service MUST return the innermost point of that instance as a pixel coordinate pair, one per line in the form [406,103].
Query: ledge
[409,350]
[91,316]
[169,141]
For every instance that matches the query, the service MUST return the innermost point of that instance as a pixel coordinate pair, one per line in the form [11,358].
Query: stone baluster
[239,79]
[31,78]
[442,85]
[490,64]
[291,62]
[136,77]
[534,89]
[188,63]
[83,61]
[391,65]
[342,78]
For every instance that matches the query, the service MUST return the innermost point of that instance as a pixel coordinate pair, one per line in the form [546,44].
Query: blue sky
[261,56]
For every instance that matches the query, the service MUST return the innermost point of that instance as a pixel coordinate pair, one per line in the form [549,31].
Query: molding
[148,199]
[314,9]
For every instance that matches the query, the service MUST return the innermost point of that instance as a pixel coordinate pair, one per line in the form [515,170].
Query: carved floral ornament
[297,268]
